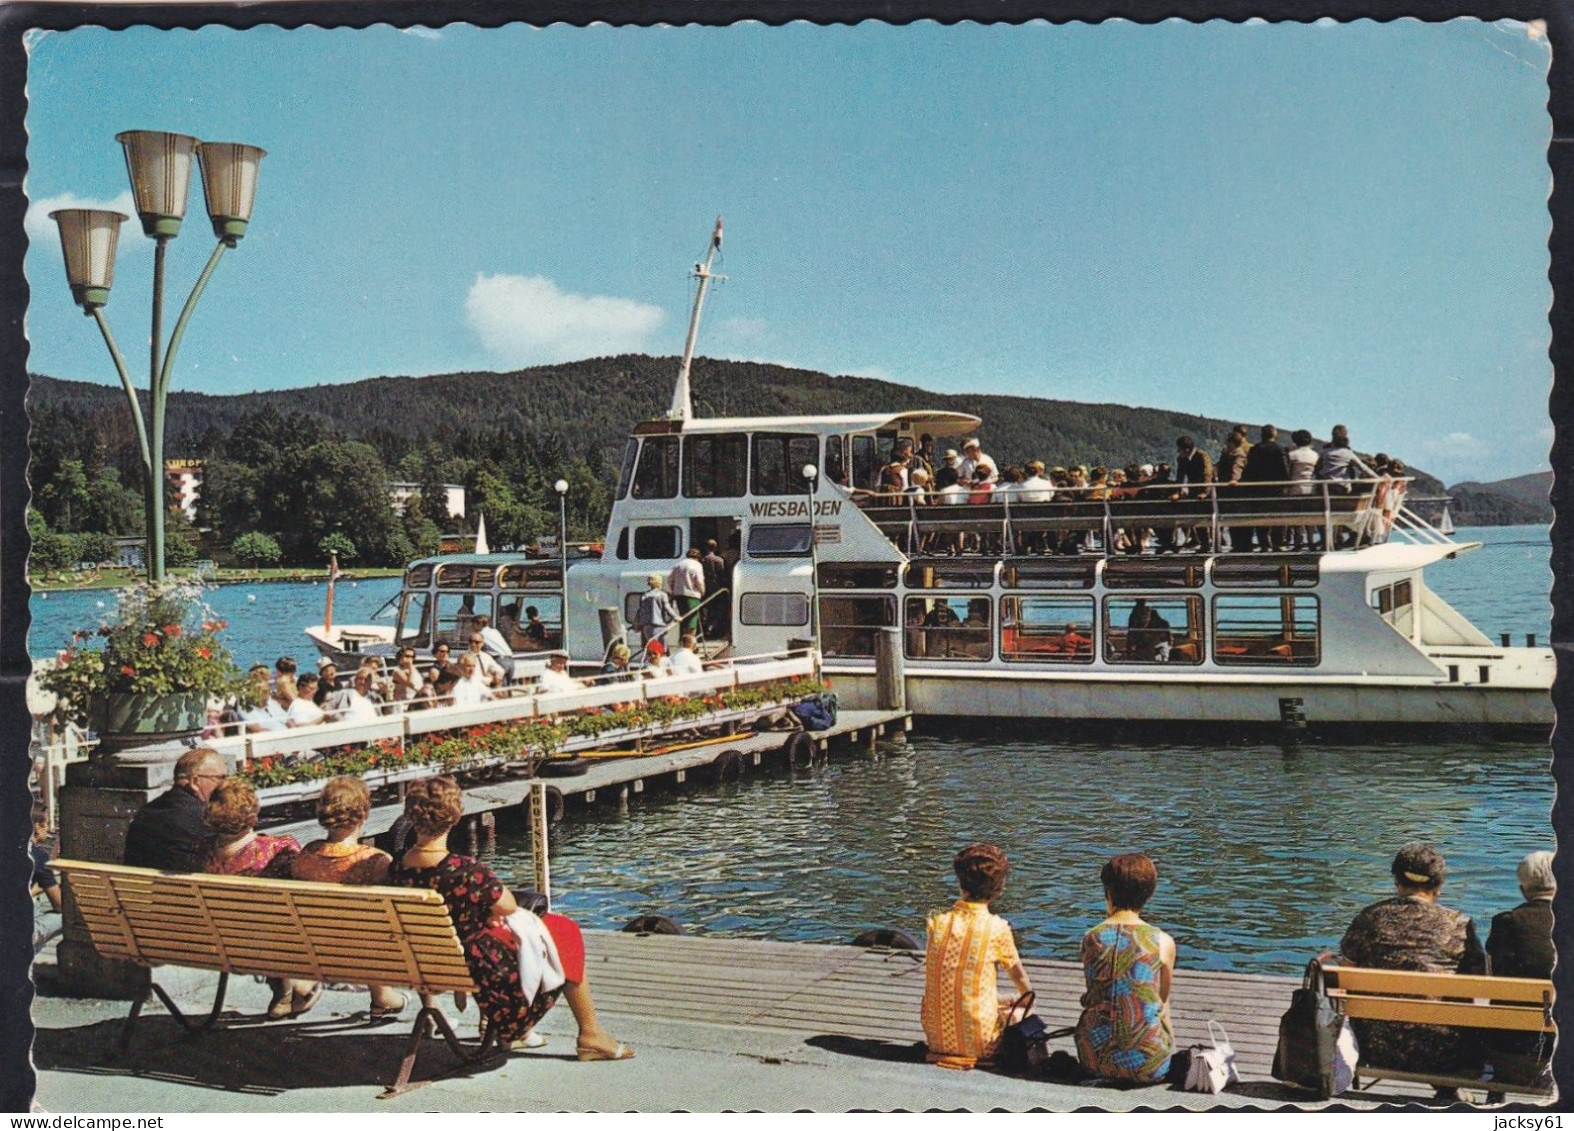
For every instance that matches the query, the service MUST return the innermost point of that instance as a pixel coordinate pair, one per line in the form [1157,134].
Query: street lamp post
[810,474]
[159,166]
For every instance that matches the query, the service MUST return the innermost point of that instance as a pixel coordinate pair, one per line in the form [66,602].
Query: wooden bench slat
[1467,1014]
[1363,980]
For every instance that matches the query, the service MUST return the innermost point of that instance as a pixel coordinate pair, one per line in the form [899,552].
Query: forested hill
[586,408]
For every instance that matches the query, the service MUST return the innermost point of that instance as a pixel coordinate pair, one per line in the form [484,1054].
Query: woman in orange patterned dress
[342,808]
[963,1011]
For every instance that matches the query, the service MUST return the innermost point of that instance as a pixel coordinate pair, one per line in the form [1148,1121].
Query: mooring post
[890,670]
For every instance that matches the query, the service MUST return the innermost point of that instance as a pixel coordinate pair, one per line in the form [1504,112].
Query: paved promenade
[718,1024]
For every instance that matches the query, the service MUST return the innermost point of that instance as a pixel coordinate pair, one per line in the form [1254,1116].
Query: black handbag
[1308,1032]
[1024,1044]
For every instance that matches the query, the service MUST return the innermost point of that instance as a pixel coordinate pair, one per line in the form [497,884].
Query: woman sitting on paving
[478,903]
[963,1013]
[238,849]
[342,809]
[1124,1032]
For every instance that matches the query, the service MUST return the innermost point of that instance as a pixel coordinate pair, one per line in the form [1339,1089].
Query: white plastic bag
[1346,1056]
[540,968]
[1213,1069]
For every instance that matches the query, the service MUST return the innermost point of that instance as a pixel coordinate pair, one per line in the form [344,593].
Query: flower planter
[126,720]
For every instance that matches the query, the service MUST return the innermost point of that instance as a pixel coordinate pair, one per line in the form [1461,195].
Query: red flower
[150,640]
[127,670]
[205,652]
[172,630]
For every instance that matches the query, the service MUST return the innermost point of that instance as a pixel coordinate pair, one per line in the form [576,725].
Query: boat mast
[682,405]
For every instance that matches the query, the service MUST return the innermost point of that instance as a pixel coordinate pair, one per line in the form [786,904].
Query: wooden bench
[279,929]
[1470,1001]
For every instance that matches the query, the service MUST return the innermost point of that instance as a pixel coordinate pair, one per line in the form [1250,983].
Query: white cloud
[528,320]
[41,229]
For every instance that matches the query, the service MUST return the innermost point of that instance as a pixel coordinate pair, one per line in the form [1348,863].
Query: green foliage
[180,548]
[52,551]
[97,548]
[256,549]
[162,640]
[339,544]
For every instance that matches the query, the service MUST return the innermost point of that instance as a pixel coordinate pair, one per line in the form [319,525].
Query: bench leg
[430,1021]
[186,1022]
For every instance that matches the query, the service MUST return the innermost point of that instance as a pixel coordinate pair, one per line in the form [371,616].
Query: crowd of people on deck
[1125,1033]
[920,475]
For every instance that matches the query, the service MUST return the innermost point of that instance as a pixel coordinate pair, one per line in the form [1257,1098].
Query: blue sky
[1308,224]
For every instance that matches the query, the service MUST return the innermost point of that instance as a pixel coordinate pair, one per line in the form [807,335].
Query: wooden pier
[622,776]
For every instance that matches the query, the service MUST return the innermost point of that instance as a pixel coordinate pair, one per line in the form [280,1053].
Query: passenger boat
[1013,609]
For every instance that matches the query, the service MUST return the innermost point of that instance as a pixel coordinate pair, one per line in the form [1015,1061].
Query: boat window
[455,576]
[413,623]
[652,542]
[1394,604]
[836,460]
[866,468]
[1163,574]
[547,575]
[656,475]
[948,573]
[836,575]
[1034,573]
[848,624]
[456,613]
[482,577]
[1265,629]
[774,609]
[419,577]
[626,476]
[1056,630]
[1266,572]
[715,467]
[778,463]
[779,540]
[949,628]
[1153,630]
[530,621]
[623,545]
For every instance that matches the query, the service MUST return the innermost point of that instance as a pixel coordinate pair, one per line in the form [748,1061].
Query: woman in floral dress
[477,902]
[1124,1032]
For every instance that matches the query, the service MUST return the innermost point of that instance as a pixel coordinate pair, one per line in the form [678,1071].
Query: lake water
[1264,854]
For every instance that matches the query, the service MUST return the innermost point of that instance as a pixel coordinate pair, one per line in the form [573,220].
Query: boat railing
[520,702]
[1417,529]
[1344,513]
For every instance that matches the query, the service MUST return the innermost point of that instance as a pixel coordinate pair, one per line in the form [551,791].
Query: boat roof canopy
[935,423]
[1394,555]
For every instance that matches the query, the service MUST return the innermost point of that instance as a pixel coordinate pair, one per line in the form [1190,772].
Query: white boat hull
[349,642]
[1211,700]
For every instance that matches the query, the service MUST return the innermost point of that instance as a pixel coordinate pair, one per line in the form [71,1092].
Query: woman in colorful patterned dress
[477,901]
[342,808]
[1124,1032]
[963,1012]
[238,849]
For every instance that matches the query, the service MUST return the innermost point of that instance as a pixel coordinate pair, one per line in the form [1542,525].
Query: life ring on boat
[727,767]
[798,750]
[564,767]
[653,925]
[889,937]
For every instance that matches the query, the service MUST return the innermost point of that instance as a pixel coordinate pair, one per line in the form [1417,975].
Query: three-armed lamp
[159,165]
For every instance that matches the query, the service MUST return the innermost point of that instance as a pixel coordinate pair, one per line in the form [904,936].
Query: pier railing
[522,703]
[1363,511]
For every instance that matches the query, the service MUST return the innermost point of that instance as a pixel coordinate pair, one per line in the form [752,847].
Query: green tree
[424,536]
[231,497]
[337,545]
[97,547]
[256,549]
[53,550]
[64,499]
[179,547]
[111,507]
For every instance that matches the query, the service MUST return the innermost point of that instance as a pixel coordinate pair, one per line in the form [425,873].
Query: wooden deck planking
[816,990]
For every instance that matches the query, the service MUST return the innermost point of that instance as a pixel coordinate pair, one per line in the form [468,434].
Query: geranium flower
[150,640]
[205,652]
[172,630]
[128,671]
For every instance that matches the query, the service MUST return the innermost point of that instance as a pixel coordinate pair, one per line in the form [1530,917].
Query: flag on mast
[715,240]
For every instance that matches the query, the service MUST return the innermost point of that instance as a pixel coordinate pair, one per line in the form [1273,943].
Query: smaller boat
[1445,525]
